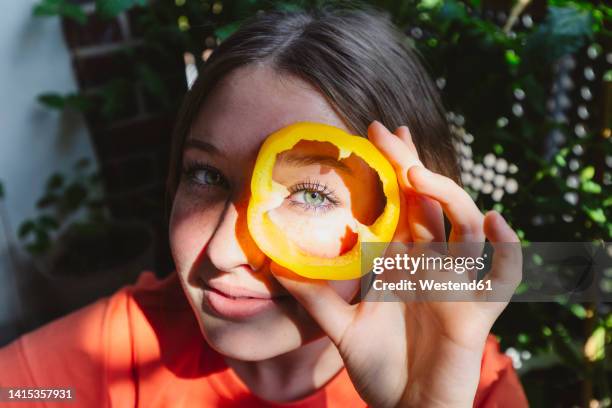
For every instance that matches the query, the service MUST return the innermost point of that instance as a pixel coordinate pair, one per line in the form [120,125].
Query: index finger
[423,216]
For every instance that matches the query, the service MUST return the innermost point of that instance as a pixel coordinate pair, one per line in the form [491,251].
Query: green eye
[313,198]
[208,177]
[211,177]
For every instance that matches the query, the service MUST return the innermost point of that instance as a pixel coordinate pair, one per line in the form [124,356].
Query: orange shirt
[142,347]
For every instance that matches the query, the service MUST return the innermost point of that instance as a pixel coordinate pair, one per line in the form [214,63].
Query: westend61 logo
[550,271]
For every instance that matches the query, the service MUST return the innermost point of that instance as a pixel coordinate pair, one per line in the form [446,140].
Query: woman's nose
[231,245]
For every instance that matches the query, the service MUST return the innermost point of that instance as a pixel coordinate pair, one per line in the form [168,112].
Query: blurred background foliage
[527,85]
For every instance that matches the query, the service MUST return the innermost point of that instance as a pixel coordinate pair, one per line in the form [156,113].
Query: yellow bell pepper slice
[267,194]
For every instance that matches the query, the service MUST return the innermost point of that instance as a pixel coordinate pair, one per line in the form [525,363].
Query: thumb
[331,312]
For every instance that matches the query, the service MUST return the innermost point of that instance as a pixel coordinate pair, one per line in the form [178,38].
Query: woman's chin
[256,341]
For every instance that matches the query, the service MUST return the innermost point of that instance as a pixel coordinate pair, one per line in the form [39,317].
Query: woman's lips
[238,303]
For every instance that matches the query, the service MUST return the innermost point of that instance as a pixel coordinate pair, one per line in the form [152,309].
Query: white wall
[34,141]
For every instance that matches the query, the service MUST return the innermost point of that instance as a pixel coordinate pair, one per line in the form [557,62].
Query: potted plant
[77,251]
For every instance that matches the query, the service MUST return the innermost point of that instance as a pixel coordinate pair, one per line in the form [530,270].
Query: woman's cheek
[191,225]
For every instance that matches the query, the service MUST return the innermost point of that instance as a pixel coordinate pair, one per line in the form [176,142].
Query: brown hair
[354,56]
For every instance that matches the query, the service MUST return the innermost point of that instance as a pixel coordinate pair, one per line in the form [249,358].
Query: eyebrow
[202,145]
[299,160]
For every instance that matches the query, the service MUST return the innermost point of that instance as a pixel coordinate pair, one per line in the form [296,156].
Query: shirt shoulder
[84,350]
[499,385]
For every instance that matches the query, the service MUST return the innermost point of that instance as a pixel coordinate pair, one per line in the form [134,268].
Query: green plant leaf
[564,31]
[112,8]
[594,346]
[41,243]
[55,181]
[25,229]
[429,4]
[560,160]
[79,102]
[578,310]
[587,173]
[114,95]
[74,196]
[287,6]
[512,58]
[452,10]
[596,214]
[591,187]
[47,200]
[225,31]
[56,101]
[62,8]
[566,347]
[153,83]
[52,100]
[48,222]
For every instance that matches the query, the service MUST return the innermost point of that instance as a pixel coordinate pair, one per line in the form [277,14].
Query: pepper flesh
[267,194]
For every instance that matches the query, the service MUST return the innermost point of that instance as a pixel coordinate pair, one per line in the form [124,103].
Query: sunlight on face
[243,312]
[327,198]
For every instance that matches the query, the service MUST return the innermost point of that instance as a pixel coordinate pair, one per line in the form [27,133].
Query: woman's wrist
[430,387]
[417,396]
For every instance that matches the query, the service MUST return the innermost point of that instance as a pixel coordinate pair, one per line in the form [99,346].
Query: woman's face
[243,312]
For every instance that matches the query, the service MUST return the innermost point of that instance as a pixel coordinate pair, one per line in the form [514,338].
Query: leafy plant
[66,201]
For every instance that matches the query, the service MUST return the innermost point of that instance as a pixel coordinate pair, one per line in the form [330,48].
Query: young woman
[231,328]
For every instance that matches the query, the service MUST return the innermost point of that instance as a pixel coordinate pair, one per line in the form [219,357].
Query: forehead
[254,101]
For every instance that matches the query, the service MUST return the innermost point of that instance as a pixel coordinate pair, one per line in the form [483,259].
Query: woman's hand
[421,354]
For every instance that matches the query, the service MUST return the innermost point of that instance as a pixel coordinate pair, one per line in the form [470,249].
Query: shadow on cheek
[254,256]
